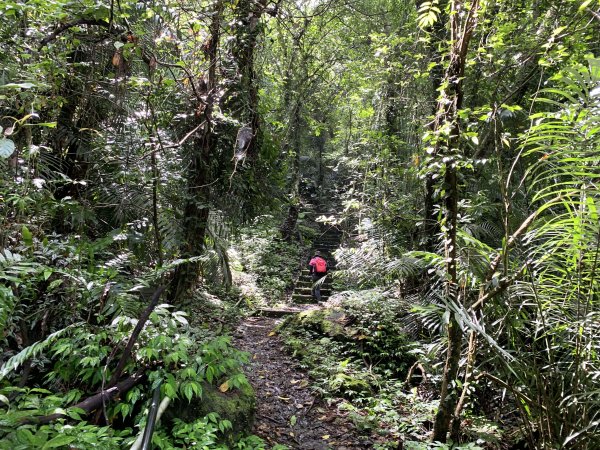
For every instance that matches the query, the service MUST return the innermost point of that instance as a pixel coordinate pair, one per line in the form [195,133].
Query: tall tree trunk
[293,106]
[199,175]
[288,228]
[431,226]
[462,24]
[243,96]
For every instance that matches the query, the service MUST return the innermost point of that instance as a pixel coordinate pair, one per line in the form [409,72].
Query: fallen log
[114,387]
[94,402]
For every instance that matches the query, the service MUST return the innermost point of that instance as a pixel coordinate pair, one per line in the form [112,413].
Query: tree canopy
[159,159]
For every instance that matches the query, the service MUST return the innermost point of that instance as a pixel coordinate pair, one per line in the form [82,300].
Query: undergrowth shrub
[354,344]
[265,260]
[67,314]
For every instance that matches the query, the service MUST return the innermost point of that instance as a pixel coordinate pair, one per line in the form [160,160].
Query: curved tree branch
[136,332]
[94,402]
[74,23]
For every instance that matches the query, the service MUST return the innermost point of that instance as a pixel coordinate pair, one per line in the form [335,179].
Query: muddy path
[289,411]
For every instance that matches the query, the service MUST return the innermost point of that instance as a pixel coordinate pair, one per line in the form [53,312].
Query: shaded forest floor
[289,412]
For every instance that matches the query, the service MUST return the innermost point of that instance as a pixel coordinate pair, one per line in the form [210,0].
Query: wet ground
[289,411]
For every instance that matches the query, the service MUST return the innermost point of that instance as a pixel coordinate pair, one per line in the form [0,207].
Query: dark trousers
[316,290]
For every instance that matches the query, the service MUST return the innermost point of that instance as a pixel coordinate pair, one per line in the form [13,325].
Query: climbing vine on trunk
[446,152]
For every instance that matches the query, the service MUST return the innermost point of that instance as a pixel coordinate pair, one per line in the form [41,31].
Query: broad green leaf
[17,86]
[24,436]
[59,441]
[27,236]
[7,147]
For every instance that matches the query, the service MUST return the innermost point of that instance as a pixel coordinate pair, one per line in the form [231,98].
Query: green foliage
[355,347]
[272,263]
[90,309]
[100,113]
[203,433]
[77,436]
[559,298]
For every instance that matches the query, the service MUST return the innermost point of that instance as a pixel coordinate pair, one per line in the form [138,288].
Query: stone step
[308,291]
[304,299]
[308,286]
[278,312]
[308,283]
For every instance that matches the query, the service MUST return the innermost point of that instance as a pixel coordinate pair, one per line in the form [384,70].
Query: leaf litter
[289,412]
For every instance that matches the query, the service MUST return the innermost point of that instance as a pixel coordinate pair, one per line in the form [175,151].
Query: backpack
[320,265]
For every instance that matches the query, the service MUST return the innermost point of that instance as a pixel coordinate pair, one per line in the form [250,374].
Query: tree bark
[243,96]
[94,402]
[462,25]
[431,228]
[199,176]
[293,107]
[288,228]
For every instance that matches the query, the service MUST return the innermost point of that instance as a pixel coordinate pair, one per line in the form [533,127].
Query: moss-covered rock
[327,322]
[361,330]
[349,386]
[238,406]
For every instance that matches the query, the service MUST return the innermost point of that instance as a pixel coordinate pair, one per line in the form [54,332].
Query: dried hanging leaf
[117,59]
[224,387]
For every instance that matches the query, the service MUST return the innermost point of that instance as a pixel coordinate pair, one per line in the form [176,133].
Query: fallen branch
[136,332]
[94,402]
[411,373]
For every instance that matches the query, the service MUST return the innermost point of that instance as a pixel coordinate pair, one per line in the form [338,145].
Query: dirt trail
[289,412]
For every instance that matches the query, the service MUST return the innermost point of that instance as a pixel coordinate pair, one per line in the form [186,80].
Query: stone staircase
[327,243]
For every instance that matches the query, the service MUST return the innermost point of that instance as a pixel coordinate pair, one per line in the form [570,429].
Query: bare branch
[75,23]
[136,332]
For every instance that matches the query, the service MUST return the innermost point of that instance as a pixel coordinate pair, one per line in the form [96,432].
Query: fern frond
[7,305]
[34,350]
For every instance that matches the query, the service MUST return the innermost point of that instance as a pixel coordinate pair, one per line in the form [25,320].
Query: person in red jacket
[318,269]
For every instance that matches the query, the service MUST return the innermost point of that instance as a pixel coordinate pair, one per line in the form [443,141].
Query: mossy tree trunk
[448,151]
[199,174]
[431,227]
[243,97]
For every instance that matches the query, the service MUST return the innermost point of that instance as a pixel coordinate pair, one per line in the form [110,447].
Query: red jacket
[313,264]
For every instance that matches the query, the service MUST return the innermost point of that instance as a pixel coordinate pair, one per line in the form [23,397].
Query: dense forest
[168,168]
